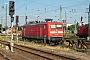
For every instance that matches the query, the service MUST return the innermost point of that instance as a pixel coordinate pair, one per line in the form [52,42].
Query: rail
[40,53]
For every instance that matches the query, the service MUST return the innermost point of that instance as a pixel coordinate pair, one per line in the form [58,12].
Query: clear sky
[46,9]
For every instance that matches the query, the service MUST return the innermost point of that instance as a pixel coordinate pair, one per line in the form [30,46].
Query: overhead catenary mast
[26,16]
[60,13]
[89,22]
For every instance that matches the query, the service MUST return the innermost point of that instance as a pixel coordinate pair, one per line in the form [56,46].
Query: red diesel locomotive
[52,31]
[82,31]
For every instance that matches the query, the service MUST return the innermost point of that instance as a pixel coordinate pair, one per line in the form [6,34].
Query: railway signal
[17,19]
[81,18]
[26,19]
[11,7]
[12,18]
[11,13]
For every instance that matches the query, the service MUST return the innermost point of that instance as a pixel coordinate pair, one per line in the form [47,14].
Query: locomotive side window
[44,26]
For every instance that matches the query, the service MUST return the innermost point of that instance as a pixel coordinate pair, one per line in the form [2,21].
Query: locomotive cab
[54,32]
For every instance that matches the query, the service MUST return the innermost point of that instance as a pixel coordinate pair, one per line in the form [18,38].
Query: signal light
[81,18]
[17,18]
[26,17]
[12,19]
[11,7]
[77,23]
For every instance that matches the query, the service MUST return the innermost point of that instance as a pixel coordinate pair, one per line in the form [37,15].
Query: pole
[17,30]
[6,22]
[89,22]
[11,42]
[1,24]
[11,13]
[6,15]
[75,26]
[45,40]
[60,13]
[25,19]
[17,34]
[66,20]
[66,23]
[25,16]
[1,20]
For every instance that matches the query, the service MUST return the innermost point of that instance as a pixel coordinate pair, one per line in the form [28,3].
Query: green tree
[19,28]
[0,25]
[69,28]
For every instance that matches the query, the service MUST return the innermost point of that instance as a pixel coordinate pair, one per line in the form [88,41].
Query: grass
[39,44]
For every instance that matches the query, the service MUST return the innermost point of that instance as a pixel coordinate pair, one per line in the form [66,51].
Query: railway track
[78,43]
[3,57]
[40,53]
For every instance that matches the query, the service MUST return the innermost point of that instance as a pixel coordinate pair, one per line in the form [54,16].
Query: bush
[72,32]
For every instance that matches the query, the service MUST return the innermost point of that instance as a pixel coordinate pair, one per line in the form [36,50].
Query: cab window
[52,26]
[56,26]
[59,26]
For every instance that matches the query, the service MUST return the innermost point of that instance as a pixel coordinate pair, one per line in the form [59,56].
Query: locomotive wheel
[52,43]
[23,38]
